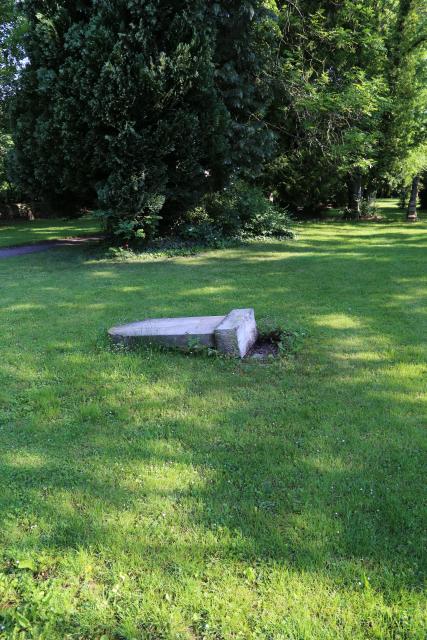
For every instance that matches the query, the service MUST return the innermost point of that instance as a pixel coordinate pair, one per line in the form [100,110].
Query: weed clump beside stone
[276,342]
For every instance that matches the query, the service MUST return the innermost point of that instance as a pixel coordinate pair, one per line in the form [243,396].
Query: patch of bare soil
[267,346]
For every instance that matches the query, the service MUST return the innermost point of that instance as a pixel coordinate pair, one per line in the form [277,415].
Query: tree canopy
[142,108]
[12,30]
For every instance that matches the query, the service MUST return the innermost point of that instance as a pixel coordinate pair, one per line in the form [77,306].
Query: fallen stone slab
[171,332]
[233,334]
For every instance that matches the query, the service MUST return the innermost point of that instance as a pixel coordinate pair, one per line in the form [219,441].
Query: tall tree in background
[330,94]
[12,29]
[141,105]
[404,125]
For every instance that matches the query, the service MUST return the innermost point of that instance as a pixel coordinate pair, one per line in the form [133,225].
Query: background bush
[239,211]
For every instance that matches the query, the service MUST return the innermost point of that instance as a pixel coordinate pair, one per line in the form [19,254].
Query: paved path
[37,247]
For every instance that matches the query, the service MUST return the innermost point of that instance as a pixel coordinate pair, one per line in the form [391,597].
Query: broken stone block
[233,334]
[237,333]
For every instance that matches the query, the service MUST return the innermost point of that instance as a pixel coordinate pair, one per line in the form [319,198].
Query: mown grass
[156,495]
[387,208]
[13,234]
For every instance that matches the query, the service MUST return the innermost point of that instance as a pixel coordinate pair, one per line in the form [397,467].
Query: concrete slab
[237,333]
[172,332]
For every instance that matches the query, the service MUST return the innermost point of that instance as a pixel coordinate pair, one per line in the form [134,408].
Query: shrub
[367,210]
[127,227]
[241,211]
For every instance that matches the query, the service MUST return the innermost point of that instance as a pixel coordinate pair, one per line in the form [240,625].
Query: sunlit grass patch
[156,495]
[12,234]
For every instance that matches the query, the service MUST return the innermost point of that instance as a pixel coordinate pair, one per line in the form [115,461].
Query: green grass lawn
[156,495]
[12,234]
[387,208]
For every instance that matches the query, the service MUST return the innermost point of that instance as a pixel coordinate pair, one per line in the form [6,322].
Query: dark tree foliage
[141,105]
[12,29]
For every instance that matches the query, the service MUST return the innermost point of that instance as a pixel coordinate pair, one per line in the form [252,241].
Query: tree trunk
[355,194]
[412,208]
[423,194]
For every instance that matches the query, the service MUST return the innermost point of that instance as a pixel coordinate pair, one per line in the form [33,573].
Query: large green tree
[12,29]
[141,105]
[330,95]
[350,99]
[404,127]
